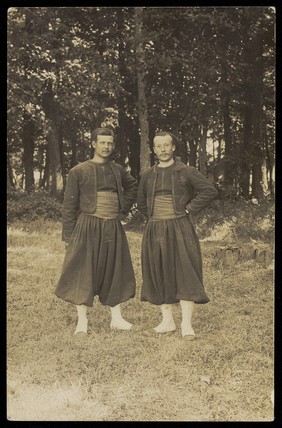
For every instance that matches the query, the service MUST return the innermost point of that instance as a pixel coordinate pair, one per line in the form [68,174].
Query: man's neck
[166,164]
[98,159]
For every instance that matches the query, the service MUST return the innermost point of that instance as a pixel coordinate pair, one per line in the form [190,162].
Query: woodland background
[206,74]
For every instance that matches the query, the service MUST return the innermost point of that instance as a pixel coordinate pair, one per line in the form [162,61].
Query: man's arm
[204,190]
[142,196]
[130,186]
[70,206]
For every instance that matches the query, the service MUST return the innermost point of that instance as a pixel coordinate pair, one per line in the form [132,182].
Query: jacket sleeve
[129,185]
[70,208]
[142,196]
[204,192]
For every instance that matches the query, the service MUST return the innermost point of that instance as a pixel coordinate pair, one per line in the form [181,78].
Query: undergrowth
[27,207]
[223,219]
[240,220]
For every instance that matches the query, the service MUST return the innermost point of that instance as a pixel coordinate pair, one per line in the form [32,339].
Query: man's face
[104,146]
[163,147]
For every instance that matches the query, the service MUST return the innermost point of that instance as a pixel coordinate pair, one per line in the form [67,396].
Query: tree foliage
[206,74]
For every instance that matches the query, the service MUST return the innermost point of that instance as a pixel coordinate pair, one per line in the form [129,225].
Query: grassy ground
[225,375]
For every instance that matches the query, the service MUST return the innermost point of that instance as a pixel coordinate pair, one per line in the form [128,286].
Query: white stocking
[117,321]
[187,307]
[167,323]
[82,319]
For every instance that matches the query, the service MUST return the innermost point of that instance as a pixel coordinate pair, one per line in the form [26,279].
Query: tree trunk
[9,182]
[28,146]
[10,178]
[257,51]
[55,162]
[122,119]
[192,153]
[219,151]
[142,102]
[121,138]
[62,159]
[203,150]
[257,190]
[217,162]
[50,108]
[40,160]
[44,184]
[134,153]
[269,168]
[245,159]
[183,149]
[73,160]
[225,102]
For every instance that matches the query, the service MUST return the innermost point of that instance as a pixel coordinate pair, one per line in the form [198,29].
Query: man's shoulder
[116,165]
[148,171]
[80,166]
[182,166]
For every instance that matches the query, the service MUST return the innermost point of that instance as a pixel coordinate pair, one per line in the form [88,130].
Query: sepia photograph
[140,213]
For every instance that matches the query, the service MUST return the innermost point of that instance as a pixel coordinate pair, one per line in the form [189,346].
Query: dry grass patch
[227,374]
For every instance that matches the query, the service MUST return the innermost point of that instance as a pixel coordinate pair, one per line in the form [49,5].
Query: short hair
[172,136]
[101,131]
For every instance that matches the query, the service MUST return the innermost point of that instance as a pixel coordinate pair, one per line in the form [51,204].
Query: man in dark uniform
[97,259]
[171,256]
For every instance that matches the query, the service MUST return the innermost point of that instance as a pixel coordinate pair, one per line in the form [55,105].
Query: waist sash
[163,208]
[107,205]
